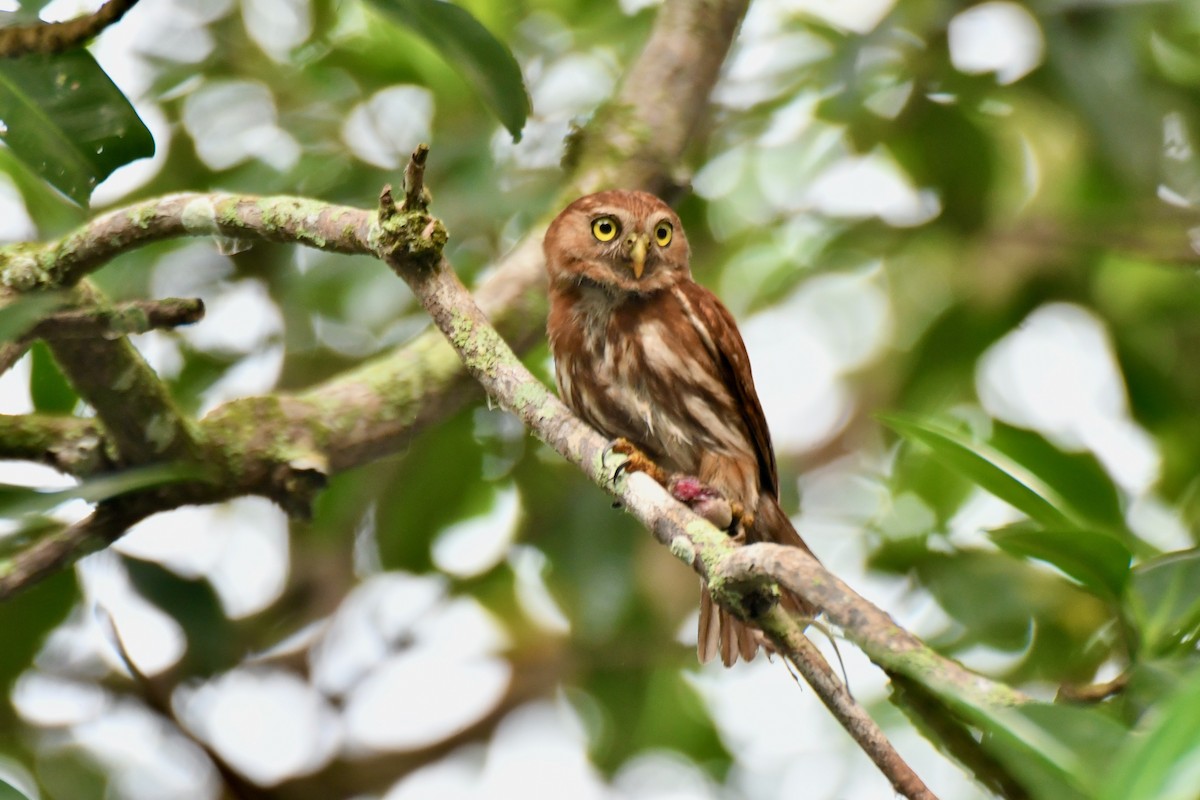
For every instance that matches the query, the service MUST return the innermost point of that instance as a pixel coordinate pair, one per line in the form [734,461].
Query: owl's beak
[639,244]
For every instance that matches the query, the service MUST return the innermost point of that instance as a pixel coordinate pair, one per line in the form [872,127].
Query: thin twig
[11,352]
[122,319]
[238,787]
[136,316]
[1093,692]
[788,637]
[55,37]
[415,195]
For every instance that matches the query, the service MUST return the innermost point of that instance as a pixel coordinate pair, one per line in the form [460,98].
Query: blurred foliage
[1067,192]
[68,122]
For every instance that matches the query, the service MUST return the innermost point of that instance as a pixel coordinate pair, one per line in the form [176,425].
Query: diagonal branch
[637,141]
[870,627]
[491,362]
[695,541]
[283,446]
[55,37]
[134,405]
[790,639]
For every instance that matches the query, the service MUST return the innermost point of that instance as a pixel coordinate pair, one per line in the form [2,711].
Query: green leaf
[10,792]
[656,709]
[1006,604]
[483,61]
[48,387]
[1097,560]
[26,620]
[1078,478]
[1177,64]
[1056,752]
[68,121]
[16,501]
[1164,603]
[1161,760]
[69,772]
[51,211]
[213,645]
[987,467]
[918,472]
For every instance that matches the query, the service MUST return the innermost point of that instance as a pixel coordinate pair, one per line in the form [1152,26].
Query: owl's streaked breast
[624,371]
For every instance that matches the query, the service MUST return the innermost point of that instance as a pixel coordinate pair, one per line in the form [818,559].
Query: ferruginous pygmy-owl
[645,354]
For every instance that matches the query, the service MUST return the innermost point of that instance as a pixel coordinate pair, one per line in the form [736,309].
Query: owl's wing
[718,330]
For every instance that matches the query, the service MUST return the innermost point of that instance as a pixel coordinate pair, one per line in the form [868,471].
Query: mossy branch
[695,541]
[73,445]
[27,267]
[121,319]
[283,446]
[134,405]
[887,644]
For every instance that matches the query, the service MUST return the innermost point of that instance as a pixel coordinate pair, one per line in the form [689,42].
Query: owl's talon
[635,461]
[742,521]
[615,446]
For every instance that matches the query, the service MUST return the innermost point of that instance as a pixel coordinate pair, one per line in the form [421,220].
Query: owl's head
[630,241]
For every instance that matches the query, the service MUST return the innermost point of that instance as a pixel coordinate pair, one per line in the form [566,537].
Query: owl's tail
[721,632]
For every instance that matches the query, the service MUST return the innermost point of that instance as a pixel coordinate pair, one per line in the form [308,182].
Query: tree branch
[54,551]
[887,644]
[284,446]
[636,142]
[136,316]
[134,405]
[73,445]
[643,133]
[491,362]
[26,267]
[55,37]
[790,639]
[496,367]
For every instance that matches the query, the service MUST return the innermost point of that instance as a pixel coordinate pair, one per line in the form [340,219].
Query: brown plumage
[644,353]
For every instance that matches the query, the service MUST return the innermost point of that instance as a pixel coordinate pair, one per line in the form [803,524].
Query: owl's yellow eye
[604,228]
[662,234]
